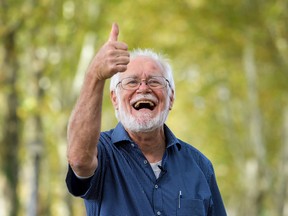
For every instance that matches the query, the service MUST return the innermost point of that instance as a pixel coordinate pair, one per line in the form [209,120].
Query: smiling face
[143,109]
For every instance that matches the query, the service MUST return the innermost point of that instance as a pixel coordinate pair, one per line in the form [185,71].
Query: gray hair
[159,58]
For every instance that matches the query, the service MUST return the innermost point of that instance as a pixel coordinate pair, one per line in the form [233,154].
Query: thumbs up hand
[112,57]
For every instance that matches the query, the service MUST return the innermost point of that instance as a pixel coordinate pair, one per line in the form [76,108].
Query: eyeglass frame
[140,81]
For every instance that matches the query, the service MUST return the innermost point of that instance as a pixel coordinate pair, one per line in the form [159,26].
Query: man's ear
[171,98]
[114,99]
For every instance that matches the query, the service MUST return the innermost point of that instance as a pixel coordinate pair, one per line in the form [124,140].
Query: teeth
[140,102]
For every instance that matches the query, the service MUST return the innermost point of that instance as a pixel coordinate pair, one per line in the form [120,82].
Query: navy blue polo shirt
[124,183]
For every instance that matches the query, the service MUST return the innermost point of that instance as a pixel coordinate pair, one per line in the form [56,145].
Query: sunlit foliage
[230,61]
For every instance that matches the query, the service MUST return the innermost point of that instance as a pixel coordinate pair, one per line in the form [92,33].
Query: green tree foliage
[231,71]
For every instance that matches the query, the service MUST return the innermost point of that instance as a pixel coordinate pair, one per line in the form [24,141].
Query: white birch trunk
[255,167]
[283,174]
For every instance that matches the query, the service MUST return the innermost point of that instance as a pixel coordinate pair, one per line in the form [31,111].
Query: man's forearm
[84,128]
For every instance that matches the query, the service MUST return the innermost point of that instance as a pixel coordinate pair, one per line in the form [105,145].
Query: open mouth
[144,104]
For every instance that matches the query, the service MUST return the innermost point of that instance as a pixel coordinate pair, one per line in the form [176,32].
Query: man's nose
[144,87]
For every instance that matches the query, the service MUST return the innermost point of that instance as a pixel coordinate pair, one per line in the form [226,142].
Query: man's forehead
[143,60]
[143,64]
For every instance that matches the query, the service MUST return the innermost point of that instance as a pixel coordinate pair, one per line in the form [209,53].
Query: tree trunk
[255,167]
[36,150]
[36,155]
[283,174]
[12,124]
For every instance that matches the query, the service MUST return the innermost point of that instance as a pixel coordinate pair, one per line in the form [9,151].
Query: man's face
[142,109]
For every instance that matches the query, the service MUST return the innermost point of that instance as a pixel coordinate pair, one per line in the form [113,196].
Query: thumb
[114,32]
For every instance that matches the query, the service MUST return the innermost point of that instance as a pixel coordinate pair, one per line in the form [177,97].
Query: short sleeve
[76,186]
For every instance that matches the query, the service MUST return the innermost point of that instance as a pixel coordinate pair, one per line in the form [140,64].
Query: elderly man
[138,168]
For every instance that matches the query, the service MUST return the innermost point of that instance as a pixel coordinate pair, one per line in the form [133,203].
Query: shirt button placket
[157,197]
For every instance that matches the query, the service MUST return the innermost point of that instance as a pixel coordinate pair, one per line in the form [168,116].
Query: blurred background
[230,61]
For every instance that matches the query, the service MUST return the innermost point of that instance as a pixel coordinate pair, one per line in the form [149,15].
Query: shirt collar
[171,138]
[120,135]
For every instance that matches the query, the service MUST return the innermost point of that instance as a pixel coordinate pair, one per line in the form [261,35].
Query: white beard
[143,122]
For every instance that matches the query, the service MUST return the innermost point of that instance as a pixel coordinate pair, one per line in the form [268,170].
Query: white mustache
[144,97]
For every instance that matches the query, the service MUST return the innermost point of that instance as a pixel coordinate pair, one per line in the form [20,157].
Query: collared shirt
[124,183]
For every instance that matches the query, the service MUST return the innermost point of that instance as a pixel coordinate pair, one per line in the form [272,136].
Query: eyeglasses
[155,82]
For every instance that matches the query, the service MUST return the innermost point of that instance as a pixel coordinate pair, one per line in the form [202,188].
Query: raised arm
[85,120]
